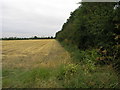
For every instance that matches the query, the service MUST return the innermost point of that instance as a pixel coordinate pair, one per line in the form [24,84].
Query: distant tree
[51,37]
[35,37]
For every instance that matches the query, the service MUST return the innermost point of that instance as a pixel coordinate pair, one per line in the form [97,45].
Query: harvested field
[29,63]
[33,53]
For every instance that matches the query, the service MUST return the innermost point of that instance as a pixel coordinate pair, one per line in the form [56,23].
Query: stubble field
[33,53]
[22,56]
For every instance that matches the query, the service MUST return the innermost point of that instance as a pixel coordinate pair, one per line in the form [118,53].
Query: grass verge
[84,73]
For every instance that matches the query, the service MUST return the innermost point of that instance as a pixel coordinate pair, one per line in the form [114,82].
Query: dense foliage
[92,26]
[89,26]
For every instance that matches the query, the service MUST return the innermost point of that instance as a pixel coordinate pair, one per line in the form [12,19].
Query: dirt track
[33,53]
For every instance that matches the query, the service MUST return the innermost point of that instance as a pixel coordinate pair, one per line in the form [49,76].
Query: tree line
[35,37]
[94,25]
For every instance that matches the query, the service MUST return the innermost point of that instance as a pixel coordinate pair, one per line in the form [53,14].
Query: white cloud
[1,18]
[35,17]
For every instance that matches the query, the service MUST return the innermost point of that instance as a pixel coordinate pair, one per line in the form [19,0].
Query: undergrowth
[85,72]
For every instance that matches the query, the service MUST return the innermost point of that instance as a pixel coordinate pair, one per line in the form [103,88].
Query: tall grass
[66,76]
[88,74]
[35,78]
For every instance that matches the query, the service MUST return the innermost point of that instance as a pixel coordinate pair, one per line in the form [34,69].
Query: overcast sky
[26,18]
